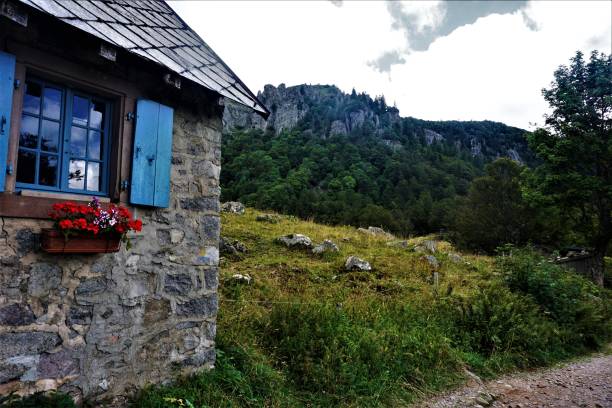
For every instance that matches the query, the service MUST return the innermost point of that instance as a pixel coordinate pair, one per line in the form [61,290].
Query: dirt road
[586,383]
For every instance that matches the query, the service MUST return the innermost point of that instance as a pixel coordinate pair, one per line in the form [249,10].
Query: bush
[578,306]
[499,330]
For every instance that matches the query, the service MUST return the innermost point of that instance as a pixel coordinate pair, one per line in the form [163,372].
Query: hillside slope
[350,159]
[296,329]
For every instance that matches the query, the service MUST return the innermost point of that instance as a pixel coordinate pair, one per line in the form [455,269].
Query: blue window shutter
[7,81]
[151,157]
[164,157]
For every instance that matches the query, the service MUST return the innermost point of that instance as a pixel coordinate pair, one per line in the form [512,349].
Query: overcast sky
[435,60]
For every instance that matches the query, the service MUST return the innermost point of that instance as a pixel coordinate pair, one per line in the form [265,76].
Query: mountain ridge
[325,110]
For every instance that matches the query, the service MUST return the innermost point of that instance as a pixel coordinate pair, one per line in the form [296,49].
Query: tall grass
[307,334]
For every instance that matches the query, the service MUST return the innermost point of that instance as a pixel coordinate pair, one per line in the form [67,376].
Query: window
[63,140]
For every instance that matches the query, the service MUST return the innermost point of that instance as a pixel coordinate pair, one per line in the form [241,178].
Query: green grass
[307,333]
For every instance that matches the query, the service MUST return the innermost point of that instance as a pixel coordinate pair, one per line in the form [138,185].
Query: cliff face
[325,110]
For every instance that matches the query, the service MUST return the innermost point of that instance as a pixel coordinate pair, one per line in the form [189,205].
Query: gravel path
[586,383]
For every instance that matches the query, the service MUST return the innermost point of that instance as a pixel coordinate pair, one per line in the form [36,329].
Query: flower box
[54,241]
[88,229]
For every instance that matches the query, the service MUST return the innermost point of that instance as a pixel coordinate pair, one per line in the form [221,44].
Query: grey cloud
[386,60]
[455,14]
[337,3]
[529,22]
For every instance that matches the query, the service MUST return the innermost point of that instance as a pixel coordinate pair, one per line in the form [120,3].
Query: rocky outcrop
[431,137]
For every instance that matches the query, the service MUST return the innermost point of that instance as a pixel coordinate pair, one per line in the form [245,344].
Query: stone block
[210,227]
[205,306]
[156,310]
[211,278]
[91,287]
[16,315]
[201,358]
[44,278]
[13,344]
[179,284]
[27,241]
[200,204]
[58,365]
[79,315]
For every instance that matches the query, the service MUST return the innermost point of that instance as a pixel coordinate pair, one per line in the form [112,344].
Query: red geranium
[71,218]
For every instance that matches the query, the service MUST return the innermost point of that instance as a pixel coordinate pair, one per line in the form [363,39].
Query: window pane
[80,107]
[28,137]
[78,138]
[31,99]
[76,174]
[47,172]
[93,176]
[52,102]
[26,167]
[49,135]
[95,145]
[96,115]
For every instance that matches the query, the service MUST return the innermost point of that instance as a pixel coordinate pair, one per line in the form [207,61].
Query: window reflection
[95,145]
[31,98]
[49,135]
[80,107]
[78,138]
[96,115]
[47,171]
[28,136]
[52,102]
[26,167]
[93,176]
[76,174]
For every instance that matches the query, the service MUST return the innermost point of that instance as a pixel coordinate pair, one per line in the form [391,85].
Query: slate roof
[152,30]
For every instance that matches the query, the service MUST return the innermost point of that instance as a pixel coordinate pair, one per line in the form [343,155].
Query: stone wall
[102,325]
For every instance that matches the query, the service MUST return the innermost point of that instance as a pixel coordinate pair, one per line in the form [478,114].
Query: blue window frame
[63,140]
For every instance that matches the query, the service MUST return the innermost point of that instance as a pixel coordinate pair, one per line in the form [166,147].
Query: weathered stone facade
[101,325]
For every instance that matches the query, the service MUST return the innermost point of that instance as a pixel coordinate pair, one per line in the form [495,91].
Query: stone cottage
[123,101]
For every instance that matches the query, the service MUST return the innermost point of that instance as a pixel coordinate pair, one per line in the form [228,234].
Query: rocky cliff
[324,111]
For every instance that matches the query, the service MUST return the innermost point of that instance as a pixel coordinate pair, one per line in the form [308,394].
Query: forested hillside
[350,159]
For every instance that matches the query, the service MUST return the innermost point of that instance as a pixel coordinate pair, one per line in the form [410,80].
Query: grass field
[305,332]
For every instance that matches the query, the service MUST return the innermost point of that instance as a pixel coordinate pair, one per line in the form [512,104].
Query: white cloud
[492,69]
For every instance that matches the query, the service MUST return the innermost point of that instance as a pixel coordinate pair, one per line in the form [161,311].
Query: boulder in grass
[430,245]
[229,246]
[455,258]
[233,207]
[376,232]
[269,218]
[296,241]
[325,246]
[244,279]
[356,264]
[432,261]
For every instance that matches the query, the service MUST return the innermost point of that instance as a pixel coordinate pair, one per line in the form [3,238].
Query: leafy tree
[575,148]
[494,212]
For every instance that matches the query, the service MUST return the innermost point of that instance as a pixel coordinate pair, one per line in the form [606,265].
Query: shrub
[499,329]
[577,305]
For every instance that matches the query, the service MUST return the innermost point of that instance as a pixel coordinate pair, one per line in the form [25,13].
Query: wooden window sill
[36,205]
